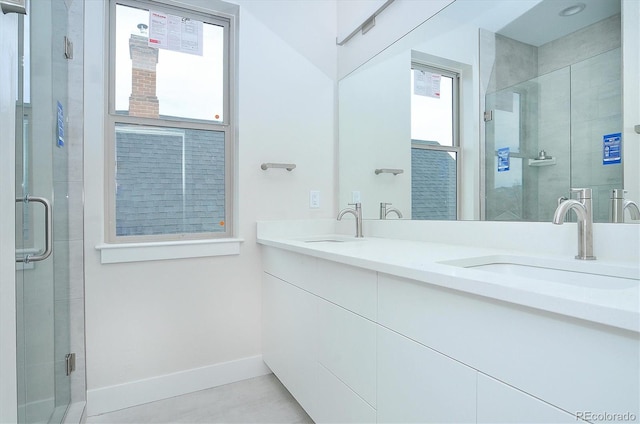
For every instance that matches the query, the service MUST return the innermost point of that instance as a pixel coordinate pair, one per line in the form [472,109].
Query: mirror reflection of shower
[552,109]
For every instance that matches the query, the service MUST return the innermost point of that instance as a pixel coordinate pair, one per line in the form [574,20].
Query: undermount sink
[580,274]
[331,239]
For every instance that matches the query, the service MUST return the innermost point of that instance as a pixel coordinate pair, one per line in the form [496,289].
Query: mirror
[534,103]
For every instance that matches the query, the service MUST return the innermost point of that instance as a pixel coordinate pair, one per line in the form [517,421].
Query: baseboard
[113,398]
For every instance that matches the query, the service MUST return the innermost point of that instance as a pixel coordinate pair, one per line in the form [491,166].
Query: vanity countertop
[433,263]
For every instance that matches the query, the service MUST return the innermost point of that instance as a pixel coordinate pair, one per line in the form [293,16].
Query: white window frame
[227,126]
[455,148]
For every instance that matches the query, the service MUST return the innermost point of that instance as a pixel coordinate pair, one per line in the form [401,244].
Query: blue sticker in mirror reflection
[503,159]
[60,141]
[611,149]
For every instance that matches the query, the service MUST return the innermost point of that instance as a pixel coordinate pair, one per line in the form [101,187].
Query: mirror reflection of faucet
[543,159]
[619,204]
[385,210]
[357,212]
[543,155]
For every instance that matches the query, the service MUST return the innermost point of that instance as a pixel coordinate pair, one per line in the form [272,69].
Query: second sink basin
[587,275]
[331,239]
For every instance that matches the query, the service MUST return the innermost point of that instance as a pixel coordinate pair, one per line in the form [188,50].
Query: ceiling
[542,23]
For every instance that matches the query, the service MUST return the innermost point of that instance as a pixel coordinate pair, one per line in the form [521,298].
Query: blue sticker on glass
[503,159]
[60,140]
[611,151]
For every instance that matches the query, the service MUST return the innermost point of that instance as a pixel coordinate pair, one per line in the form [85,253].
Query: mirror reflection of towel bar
[388,171]
[287,166]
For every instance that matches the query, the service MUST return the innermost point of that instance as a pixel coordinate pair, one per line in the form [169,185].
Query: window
[435,151]
[170,141]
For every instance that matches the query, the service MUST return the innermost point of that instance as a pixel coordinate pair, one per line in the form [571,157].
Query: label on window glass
[175,33]
[426,83]
[503,159]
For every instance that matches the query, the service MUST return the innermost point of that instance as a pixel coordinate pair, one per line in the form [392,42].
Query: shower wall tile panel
[593,40]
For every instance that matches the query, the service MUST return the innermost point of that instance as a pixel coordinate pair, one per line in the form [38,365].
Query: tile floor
[257,400]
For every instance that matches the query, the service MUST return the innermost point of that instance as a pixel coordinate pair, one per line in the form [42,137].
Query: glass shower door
[529,120]
[42,262]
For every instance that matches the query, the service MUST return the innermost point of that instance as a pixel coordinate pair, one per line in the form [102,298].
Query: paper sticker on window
[503,159]
[426,84]
[175,33]
[611,149]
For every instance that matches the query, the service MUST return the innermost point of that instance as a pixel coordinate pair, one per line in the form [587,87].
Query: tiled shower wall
[571,93]
[594,57]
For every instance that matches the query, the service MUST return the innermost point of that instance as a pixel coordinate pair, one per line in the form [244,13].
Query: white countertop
[422,261]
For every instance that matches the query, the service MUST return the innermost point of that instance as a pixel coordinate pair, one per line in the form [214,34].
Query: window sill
[157,251]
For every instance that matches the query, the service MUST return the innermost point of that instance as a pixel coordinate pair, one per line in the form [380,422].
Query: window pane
[169,181]
[160,83]
[433,184]
[432,107]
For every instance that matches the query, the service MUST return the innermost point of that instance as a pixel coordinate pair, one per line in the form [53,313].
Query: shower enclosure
[548,123]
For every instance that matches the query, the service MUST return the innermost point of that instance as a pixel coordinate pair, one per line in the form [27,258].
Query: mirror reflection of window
[432,116]
[434,143]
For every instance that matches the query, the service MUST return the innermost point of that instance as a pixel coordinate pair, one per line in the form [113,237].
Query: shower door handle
[48,229]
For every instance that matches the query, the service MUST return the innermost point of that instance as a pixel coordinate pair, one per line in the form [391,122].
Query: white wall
[8,86]
[150,319]
[375,132]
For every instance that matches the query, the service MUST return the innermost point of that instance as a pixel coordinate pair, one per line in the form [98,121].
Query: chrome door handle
[48,229]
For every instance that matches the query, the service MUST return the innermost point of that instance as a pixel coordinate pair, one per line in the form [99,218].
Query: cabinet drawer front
[499,403]
[294,268]
[348,348]
[418,385]
[352,288]
[337,403]
[549,356]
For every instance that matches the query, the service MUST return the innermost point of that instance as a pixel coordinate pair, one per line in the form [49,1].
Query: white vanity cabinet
[337,403]
[500,403]
[418,385]
[572,364]
[347,348]
[346,365]
[289,339]
[324,353]
[355,345]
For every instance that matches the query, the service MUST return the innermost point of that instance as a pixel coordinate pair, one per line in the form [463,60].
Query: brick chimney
[143,101]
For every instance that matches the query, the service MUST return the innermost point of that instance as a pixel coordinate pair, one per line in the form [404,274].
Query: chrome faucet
[357,212]
[619,204]
[583,210]
[384,210]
